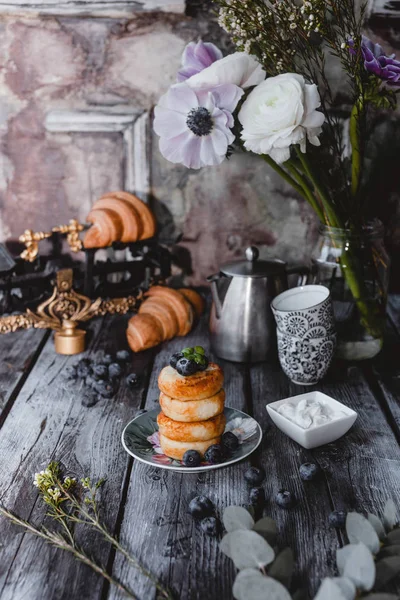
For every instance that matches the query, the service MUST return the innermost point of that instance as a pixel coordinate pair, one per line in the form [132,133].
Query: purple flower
[194,125]
[197,57]
[377,62]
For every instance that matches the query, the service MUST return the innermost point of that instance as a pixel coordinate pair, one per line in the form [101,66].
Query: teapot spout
[213,279]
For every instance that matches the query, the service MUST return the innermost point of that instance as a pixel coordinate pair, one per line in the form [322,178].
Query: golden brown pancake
[191,432]
[202,384]
[176,450]
[192,410]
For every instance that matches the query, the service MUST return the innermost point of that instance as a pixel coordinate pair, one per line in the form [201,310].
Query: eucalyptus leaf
[248,549]
[394,536]
[282,567]
[329,590]
[342,554]
[390,518]
[346,586]
[377,525]
[360,567]
[386,569]
[237,517]
[360,530]
[381,596]
[250,584]
[225,545]
[267,528]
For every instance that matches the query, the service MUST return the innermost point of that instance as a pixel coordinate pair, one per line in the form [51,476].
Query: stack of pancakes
[192,416]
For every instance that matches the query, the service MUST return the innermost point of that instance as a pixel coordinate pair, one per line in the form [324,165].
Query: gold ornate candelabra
[32,238]
[63,312]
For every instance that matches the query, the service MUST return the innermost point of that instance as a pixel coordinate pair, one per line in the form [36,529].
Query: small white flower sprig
[366,565]
[70,503]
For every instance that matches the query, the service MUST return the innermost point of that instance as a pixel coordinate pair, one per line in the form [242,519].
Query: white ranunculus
[279,112]
[239,68]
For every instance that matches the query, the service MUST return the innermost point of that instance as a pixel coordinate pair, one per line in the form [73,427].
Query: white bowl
[316,435]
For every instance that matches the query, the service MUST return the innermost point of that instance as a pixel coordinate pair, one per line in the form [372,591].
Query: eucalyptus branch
[58,541]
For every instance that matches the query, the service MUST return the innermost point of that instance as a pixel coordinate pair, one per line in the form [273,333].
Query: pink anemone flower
[194,125]
[196,57]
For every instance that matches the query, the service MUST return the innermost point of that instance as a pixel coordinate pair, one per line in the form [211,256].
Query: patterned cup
[305,361]
[305,312]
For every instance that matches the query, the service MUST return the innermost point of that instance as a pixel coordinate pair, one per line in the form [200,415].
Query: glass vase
[355,267]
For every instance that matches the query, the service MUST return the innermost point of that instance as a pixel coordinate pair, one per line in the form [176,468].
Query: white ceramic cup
[305,312]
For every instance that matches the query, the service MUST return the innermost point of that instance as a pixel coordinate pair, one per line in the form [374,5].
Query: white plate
[140,440]
[317,435]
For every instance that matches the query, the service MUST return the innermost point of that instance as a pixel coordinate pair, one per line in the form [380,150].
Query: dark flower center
[199,120]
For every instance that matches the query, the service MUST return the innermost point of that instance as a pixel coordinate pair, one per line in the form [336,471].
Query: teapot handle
[306,275]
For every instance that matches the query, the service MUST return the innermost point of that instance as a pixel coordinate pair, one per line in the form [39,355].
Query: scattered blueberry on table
[229,442]
[285,499]
[309,471]
[201,507]
[210,526]
[337,519]
[257,496]
[254,476]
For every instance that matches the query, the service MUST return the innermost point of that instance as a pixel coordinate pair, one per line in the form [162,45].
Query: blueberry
[104,388]
[107,359]
[309,471]
[123,356]
[337,518]
[132,380]
[201,507]
[214,454]
[285,499]
[202,363]
[83,369]
[229,442]
[254,475]
[114,370]
[186,366]
[90,381]
[89,399]
[191,458]
[257,496]
[100,371]
[174,359]
[209,526]
[71,372]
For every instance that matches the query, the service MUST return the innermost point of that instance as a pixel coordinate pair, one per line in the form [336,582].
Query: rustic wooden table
[42,419]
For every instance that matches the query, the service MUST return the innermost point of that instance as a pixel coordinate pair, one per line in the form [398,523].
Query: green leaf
[356,562]
[393,536]
[237,517]
[267,528]
[329,590]
[360,530]
[377,525]
[199,350]
[386,569]
[390,518]
[250,584]
[248,549]
[282,567]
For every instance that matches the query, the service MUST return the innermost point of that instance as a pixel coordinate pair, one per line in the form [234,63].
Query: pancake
[191,432]
[192,410]
[202,384]
[176,450]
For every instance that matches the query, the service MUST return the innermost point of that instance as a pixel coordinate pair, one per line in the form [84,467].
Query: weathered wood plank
[48,422]
[156,524]
[18,353]
[304,528]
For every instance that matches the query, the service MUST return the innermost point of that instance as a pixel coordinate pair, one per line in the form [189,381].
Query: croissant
[147,218]
[106,229]
[163,313]
[195,300]
[182,308]
[131,222]
[143,332]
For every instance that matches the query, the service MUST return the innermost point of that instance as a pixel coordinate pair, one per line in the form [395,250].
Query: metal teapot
[242,327]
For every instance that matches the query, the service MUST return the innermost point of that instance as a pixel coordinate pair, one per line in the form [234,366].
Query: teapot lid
[252,266]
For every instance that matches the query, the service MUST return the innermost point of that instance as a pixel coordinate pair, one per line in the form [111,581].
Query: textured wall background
[119,57]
